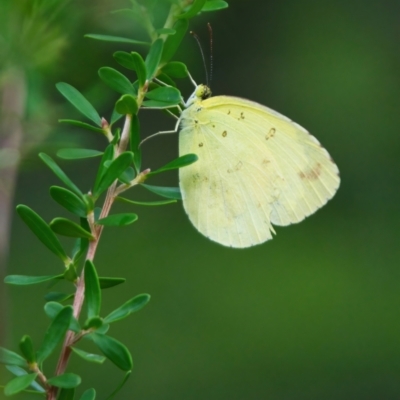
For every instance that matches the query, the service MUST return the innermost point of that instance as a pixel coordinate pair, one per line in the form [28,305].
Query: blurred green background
[313,314]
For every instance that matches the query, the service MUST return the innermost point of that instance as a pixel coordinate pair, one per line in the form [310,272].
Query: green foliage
[119,169]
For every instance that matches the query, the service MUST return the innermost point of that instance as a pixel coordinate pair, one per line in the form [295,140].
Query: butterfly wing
[255,167]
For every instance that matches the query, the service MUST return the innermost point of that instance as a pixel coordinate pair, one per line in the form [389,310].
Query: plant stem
[80,287]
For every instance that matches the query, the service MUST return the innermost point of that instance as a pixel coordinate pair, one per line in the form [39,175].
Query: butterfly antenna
[202,54]
[210,32]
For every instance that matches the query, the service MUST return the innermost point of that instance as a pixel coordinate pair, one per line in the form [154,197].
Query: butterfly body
[256,168]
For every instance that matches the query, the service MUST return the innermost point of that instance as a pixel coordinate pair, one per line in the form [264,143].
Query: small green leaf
[59,173]
[89,394]
[173,42]
[82,125]
[115,117]
[93,323]
[116,168]
[135,142]
[140,68]
[168,192]
[65,227]
[18,371]
[214,5]
[80,248]
[66,381]
[69,200]
[116,81]
[90,357]
[131,306]
[26,347]
[57,296]
[127,176]
[106,282]
[120,386]
[8,357]
[107,156]
[117,39]
[127,104]
[118,219]
[23,280]
[153,58]
[146,203]
[193,10]
[114,350]
[125,59]
[52,308]
[165,96]
[179,162]
[92,290]
[55,333]
[175,69]
[42,231]
[79,102]
[66,394]
[19,384]
[70,274]
[75,154]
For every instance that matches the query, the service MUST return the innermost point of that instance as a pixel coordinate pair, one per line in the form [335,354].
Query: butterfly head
[201,92]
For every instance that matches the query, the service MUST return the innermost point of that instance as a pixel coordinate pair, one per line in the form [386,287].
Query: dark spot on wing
[200,144]
[311,174]
[224,133]
[270,134]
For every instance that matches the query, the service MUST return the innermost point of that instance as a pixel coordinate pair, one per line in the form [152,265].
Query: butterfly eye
[203,92]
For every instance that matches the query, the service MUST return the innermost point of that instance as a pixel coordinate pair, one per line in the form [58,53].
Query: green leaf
[114,350]
[107,156]
[26,347]
[82,125]
[116,168]
[146,203]
[166,79]
[173,42]
[69,200]
[139,67]
[106,283]
[165,96]
[214,5]
[52,308]
[153,58]
[115,117]
[92,290]
[117,39]
[127,176]
[23,280]
[193,10]
[70,274]
[80,248]
[93,323]
[120,386]
[18,371]
[8,357]
[57,296]
[116,81]
[66,381]
[19,384]
[42,231]
[74,154]
[79,102]
[55,333]
[127,104]
[118,219]
[89,394]
[179,162]
[135,142]
[66,394]
[90,357]
[131,306]
[175,69]
[125,59]
[65,227]
[168,192]
[59,173]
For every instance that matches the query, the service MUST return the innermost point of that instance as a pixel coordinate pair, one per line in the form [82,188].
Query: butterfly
[256,169]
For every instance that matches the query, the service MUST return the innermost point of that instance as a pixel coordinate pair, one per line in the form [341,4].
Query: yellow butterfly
[256,168]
